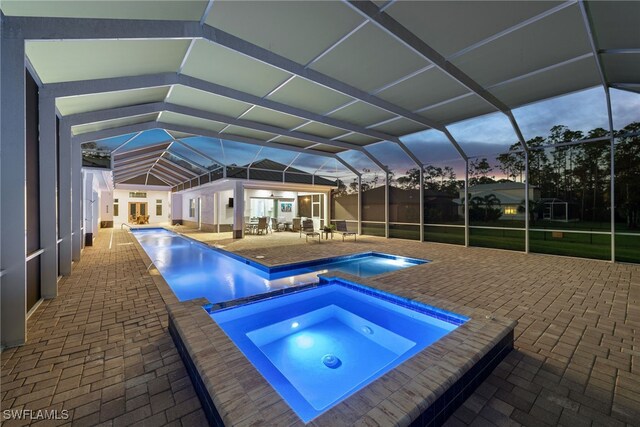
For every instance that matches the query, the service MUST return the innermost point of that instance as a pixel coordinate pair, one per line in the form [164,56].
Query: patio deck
[102,350]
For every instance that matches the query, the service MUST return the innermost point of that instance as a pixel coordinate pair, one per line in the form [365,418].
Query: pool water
[194,270]
[316,347]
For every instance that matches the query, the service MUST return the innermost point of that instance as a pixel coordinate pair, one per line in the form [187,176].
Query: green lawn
[500,239]
[584,245]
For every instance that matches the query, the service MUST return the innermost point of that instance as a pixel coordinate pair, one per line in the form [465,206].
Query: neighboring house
[509,194]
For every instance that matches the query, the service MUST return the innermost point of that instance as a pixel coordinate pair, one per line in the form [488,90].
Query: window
[192,208]
[158,207]
[116,211]
[315,206]
[510,210]
[137,194]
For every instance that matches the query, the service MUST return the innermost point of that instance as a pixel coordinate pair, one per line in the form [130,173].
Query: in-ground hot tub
[318,346]
[408,363]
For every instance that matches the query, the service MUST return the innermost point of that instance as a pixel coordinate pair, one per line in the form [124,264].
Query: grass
[500,239]
[584,245]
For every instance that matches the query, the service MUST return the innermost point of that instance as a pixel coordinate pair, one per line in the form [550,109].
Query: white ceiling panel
[273,118]
[250,133]
[194,98]
[179,10]
[71,60]
[115,123]
[106,100]
[358,139]
[400,127]
[287,140]
[568,78]
[362,114]
[615,23]
[309,96]
[270,24]
[427,88]
[463,22]
[322,130]
[369,59]
[196,122]
[454,111]
[547,42]
[214,63]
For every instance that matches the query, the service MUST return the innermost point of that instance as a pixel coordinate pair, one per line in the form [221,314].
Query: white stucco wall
[218,215]
[122,194]
[214,201]
[106,206]
[91,205]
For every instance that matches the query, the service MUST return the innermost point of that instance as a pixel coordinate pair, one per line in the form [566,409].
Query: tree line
[579,174]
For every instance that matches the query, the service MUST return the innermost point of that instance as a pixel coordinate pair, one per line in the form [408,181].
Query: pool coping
[415,392]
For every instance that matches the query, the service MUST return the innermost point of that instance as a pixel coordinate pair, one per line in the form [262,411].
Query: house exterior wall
[106,209]
[281,197]
[91,208]
[122,195]
[215,211]
[218,216]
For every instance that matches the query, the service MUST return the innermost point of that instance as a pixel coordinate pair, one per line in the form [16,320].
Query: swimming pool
[316,347]
[195,270]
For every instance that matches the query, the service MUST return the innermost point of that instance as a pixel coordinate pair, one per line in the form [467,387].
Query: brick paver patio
[101,349]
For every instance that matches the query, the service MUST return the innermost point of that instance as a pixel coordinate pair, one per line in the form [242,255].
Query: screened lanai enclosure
[511,125]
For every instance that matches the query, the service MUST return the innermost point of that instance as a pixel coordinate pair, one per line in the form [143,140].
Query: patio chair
[262,226]
[275,226]
[341,228]
[295,224]
[308,230]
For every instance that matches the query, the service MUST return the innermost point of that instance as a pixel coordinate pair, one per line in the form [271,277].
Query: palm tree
[535,207]
[486,204]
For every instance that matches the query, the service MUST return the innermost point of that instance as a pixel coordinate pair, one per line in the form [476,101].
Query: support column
[386,205]
[64,230]
[238,210]
[89,203]
[612,154]
[421,203]
[359,204]
[76,201]
[526,201]
[466,202]
[48,208]
[13,244]
[176,208]
[327,207]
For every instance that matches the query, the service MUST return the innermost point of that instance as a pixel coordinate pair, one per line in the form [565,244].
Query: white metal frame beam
[50,28]
[603,79]
[392,27]
[203,132]
[157,107]
[178,174]
[155,175]
[166,178]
